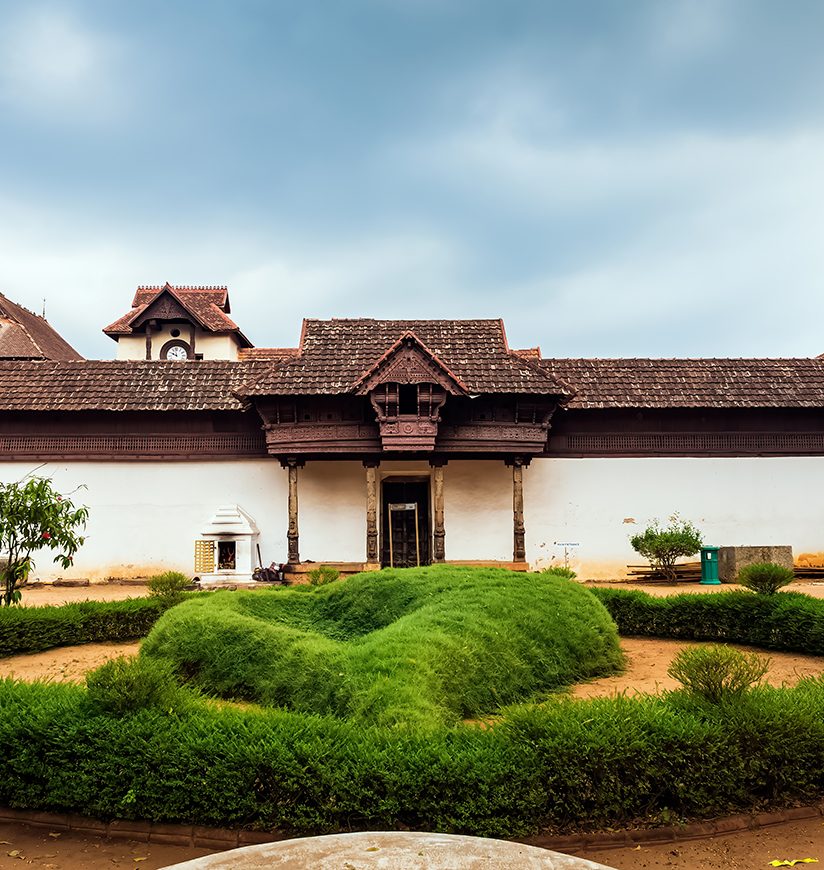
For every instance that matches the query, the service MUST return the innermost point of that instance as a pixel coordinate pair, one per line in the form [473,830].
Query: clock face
[177,353]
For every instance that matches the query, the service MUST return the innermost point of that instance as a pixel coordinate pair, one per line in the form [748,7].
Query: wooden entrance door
[402,523]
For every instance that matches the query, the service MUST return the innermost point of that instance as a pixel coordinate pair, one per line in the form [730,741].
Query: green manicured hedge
[33,629]
[566,765]
[787,621]
[435,644]
[559,766]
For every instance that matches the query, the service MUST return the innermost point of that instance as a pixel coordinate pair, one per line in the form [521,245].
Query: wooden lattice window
[204,557]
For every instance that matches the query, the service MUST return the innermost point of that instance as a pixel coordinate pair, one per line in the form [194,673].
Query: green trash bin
[709,566]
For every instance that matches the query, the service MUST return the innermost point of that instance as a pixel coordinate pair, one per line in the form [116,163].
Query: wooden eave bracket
[441,373]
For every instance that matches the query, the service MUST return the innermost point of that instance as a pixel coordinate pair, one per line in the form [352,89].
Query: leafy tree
[34,516]
[663,545]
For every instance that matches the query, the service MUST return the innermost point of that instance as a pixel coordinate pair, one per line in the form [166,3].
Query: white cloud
[88,274]
[51,64]
[684,29]
[720,246]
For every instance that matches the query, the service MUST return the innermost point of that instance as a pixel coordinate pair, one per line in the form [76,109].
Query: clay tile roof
[24,335]
[334,354]
[529,352]
[271,353]
[692,383]
[208,307]
[124,385]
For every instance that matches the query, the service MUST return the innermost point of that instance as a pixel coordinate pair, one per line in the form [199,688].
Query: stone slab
[391,850]
[732,559]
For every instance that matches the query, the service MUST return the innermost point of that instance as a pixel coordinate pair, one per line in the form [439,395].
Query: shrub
[33,629]
[131,683]
[565,765]
[664,545]
[717,673]
[169,584]
[790,621]
[398,646]
[322,575]
[765,578]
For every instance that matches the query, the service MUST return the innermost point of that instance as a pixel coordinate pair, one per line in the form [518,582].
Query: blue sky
[613,178]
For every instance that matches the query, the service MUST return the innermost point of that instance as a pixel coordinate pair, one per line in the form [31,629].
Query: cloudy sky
[612,177]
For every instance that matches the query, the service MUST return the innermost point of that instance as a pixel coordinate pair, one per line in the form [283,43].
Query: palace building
[378,442]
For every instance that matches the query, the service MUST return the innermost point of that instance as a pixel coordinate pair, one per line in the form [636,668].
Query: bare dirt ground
[64,663]
[23,845]
[649,658]
[741,851]
[38,596]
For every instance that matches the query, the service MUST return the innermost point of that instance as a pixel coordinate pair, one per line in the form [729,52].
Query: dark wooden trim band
[143,445]
[688,444]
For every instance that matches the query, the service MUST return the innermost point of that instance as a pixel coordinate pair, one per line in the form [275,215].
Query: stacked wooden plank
[685,572]
[809,572]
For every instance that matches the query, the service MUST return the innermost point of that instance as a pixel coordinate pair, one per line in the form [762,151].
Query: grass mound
[426,645]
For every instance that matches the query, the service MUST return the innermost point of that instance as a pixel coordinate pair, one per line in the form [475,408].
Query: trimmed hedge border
[787,621]
[542,771]
[35,629]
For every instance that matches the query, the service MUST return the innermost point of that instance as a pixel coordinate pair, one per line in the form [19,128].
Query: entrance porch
[364,515]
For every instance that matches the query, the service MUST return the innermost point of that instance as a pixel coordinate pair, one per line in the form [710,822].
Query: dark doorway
[404,494]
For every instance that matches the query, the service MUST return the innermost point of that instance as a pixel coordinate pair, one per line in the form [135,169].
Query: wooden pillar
[372,500]
[192,341]
[292,534]
[439,531]
[148,339]
[519,532]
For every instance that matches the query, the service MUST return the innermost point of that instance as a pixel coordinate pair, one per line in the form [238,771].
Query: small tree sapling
[34,516]
[663,545]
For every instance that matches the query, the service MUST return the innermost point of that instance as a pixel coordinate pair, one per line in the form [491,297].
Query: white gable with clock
[178,323]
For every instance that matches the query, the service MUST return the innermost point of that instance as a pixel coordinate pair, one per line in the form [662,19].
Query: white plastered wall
[332,511]
[145,516]
[600,503]
[478,510]
[212,346]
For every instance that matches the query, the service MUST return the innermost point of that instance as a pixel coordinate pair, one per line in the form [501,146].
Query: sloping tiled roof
[24,335]
[208,306]
[271,353]
[124,385]
[692,383]
[334,354]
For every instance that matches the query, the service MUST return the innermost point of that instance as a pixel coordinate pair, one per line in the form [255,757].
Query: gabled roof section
[25,335]
[408,361]
[208,307]
[335,354]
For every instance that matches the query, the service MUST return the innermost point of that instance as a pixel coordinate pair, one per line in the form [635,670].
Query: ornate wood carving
[439,532]
[372,554]
[165,307]
[138,445]
[339,425]
[408,361]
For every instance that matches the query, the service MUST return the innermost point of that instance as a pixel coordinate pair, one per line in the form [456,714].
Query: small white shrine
[226,553]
